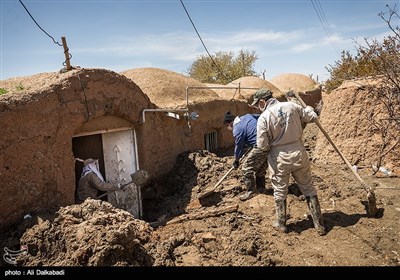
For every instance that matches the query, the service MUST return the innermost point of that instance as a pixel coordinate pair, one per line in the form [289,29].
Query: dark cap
[261,94]
[229,117]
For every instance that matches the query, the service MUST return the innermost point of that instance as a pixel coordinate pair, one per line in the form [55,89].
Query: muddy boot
[280,223]
[251,189]
[315,209]
[260,183]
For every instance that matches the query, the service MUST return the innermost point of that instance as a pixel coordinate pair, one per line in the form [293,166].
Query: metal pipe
[161,110]
[216,87]
[136,150]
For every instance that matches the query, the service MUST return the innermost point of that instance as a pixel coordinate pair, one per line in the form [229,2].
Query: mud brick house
[138,119]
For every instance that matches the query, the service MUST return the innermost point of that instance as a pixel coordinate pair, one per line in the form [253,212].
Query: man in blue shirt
[255,165]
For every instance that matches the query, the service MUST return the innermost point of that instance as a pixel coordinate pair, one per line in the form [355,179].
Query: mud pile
[93,233]
[193,172]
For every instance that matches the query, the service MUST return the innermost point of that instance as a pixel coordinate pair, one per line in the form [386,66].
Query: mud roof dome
[293,81]
[167,89]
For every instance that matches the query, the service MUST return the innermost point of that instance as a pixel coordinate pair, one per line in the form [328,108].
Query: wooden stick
[66,53]
[207,193]
[370,195]
[202,215]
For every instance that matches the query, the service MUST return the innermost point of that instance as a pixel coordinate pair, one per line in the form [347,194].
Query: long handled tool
[215,189]
[371,207]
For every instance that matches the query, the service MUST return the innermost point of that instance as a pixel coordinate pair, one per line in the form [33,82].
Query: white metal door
[120,162]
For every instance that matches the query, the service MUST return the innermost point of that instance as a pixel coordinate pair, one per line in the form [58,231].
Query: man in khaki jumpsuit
[279,131]
[91,180]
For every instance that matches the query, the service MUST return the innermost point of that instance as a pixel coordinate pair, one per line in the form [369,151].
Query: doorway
[117,154]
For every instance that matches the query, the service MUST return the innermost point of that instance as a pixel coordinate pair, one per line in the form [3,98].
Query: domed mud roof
[167,89]
[309,90]
[293,81]
[32,84]
[255,83]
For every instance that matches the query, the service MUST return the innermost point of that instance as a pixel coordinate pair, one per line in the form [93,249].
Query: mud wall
[38,122]
[346,118]
[162,138]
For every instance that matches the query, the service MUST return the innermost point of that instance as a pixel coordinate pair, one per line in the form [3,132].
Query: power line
[55,42]
[321,17]
[328,26]
[187,13]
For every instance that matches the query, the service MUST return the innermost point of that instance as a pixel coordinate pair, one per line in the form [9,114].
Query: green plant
[223,67]
[375,58]
[381,60]
[3,91]
[19,87]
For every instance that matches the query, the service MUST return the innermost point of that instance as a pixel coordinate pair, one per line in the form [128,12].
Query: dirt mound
[193,173]
[93,233]
[347,119]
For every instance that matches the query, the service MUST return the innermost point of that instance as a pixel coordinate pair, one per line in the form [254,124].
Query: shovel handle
[332,143]
[223,177]
[108,192]
[232,168]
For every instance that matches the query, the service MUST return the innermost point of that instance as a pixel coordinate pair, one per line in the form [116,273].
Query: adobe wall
[346,119]
[162,138]
[38,122]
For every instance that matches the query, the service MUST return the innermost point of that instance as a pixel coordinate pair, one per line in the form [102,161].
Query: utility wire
[55,42]
[219,69]
[328,26]
[323,24]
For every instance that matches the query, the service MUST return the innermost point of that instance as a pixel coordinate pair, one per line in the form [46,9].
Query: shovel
[215,189]
[371,206]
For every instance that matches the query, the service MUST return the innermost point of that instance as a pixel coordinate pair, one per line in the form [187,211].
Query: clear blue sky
[287,36]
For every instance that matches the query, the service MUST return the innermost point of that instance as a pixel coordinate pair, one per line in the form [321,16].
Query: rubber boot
[260,183]
[280,223]
[315,210]
[251,188]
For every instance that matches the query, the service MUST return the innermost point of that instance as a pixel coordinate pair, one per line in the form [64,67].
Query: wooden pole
[372,209]
[66,53]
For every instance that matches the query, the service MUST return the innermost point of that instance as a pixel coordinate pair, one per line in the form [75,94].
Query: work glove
[236,164]
[318,108]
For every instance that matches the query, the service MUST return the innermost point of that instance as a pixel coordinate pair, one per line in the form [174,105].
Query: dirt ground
[219,230]
[245,236]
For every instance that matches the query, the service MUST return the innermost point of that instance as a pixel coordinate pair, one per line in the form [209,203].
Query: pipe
[161,110]
[136,150]
[216,87]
